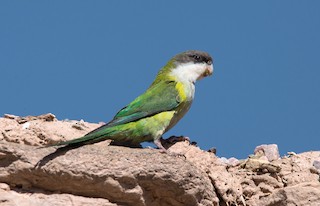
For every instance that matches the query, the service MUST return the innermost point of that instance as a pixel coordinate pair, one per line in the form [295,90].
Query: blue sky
[88,59]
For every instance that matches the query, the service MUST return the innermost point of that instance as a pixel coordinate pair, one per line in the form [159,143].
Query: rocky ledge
[101,174]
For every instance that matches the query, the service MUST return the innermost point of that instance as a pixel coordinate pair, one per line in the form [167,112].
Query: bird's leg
[164,144]
[164,150]
[157,142]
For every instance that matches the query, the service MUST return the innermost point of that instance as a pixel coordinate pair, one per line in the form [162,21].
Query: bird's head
[189,66]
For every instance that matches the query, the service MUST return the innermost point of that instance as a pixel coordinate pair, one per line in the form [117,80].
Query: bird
[159,108]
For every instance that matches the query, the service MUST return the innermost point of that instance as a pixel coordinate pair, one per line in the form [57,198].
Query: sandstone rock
[271,151]
[41,130]
[121,175]
[46,117]
[41,198]
[100,174]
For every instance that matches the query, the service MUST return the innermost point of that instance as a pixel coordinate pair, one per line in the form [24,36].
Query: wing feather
[158,98]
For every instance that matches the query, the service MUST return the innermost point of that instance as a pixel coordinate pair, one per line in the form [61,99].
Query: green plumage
[149,115]
[134,123]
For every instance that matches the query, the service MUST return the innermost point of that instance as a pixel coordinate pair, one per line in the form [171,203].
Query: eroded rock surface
[100,174]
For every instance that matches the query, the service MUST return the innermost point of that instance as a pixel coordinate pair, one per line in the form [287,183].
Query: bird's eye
[196,57]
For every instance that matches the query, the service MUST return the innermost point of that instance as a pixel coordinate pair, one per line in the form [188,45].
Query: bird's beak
[208,71]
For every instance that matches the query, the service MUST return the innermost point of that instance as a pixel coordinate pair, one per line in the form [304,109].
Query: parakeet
[159,108]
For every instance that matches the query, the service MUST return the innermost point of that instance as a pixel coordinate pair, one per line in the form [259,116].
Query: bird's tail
[90,138]
[81,140]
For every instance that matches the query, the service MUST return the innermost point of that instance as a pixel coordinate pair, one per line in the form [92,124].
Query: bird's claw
[174,139]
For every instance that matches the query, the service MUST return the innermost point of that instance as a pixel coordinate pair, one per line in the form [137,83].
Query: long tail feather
[87,139]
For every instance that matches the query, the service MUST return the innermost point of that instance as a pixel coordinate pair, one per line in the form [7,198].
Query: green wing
[160,97]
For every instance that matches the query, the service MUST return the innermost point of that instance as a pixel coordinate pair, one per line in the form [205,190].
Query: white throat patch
[190,72]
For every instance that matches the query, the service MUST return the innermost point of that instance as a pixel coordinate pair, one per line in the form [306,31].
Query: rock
[41,130]
[119,174]
[100,174]
[46,117]
[4,187]
[302,194]
[213,150]
[10,116]
[229,162]
[271,151]
[260,165]
[40,198]
[316,164]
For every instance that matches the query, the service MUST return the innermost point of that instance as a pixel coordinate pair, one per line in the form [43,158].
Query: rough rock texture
[42,129]
[101,174]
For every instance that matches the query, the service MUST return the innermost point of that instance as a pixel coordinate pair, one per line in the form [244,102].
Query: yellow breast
[185,90]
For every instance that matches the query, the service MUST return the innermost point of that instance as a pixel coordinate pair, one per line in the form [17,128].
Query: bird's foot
[174,139]
[164,150]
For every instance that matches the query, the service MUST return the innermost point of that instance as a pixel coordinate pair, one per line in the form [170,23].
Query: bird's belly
[157,124]
[180,112]
[146,129]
